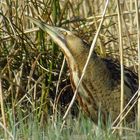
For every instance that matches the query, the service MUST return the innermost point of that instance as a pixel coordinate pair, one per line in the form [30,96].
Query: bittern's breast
[99,92]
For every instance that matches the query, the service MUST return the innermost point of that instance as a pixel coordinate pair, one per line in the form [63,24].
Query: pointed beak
[57,34]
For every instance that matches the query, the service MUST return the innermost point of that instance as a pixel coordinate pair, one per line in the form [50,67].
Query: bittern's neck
[96,70]
[81,58]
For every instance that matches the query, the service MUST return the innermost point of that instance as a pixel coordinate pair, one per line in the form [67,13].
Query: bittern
[100,88]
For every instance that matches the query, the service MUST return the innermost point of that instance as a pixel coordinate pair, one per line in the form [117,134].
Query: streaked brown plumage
[100,88]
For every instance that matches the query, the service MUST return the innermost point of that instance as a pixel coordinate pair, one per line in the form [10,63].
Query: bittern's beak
[57,34]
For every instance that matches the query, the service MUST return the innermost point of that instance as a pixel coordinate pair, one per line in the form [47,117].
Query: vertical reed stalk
[121,61]
[2,109]
[138,38]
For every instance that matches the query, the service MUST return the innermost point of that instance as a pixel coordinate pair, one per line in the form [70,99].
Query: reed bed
[35,89]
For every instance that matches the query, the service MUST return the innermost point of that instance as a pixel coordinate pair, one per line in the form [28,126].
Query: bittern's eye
[64,33]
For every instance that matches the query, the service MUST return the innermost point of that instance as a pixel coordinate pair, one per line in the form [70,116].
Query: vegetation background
[35,89]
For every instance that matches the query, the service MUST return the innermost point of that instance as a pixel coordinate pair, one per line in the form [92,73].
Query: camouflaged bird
[100,88]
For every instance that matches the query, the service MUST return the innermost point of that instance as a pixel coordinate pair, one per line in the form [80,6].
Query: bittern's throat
[100,87]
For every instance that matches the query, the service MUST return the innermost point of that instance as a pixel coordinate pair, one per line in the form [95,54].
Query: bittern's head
[70,44]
